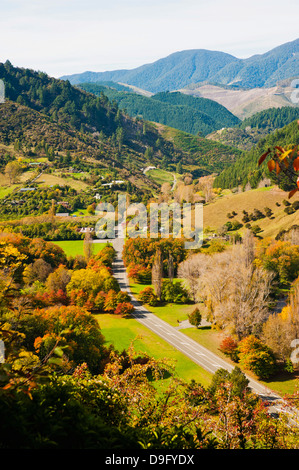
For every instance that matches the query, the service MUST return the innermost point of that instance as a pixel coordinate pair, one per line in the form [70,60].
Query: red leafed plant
[285,161]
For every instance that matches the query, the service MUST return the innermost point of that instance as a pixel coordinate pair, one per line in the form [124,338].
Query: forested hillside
[249,131]
[49,118]
[183,112]
[246,170]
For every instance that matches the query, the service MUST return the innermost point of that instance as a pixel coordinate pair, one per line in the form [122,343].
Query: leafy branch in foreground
[285,161]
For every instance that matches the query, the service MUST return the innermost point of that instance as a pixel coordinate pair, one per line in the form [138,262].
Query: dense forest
[271,119]
[183,112]
[246,170]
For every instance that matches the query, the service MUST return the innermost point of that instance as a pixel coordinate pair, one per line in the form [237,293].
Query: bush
[268,212]
[148,296]
[229,347]
[125,309]
[174,292]
[139,273]
[289,210]
[257,357]
[256,229]
[286,203]
[123,296]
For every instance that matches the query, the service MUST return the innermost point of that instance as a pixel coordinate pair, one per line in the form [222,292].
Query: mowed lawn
[123,332]
[171,313]
[76,247]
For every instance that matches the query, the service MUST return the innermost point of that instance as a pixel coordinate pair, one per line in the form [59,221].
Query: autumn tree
[88,245]
[254,355]
[235,293]
[13,171]
[170,267]
[190,270]
[282,328]
[58,279]
[280,257]
[37,271]
[205,184]
[166,191]
[157,273]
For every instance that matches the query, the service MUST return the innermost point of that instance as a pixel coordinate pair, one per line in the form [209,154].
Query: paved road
[197,353]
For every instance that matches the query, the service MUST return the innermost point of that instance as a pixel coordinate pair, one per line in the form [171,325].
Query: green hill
[186,113]
[271,119]
[246,170]
[85,141]
[247,133]
[200,156]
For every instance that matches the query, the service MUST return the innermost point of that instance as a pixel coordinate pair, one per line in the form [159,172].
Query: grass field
[75,247]
[209,338]
[171,313]
[160,176]
[215,213]
[122,332]
[51,179]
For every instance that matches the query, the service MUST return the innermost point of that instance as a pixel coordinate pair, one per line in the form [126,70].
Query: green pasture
[123,332]
[75,247]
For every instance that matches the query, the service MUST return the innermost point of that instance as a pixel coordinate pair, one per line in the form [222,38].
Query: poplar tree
[157,273]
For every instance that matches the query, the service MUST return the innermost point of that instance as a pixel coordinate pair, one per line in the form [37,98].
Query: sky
[62,37]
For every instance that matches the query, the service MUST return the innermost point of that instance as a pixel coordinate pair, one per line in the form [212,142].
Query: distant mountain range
[181,69]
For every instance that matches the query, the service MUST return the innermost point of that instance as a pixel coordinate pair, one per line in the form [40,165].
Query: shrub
[99,301]
[229,347]
[125,309]
[123,296]
[174,292]
[148,296]
[139,273]
[295,205]
[286,203]
[257,357]
[289,210]
[268,212]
